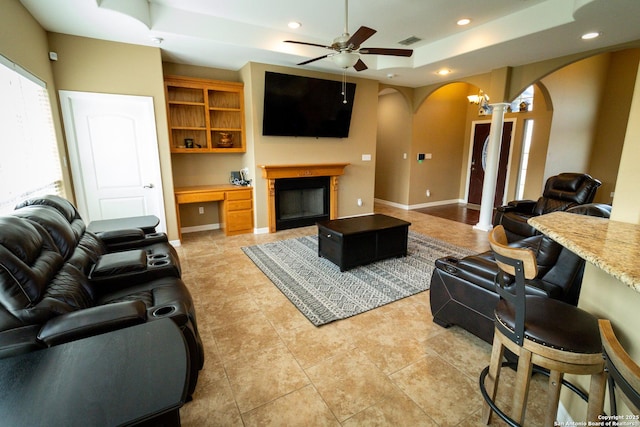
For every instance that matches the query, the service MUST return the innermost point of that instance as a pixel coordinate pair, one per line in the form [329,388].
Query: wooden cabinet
[205,116]
[238,212]
[235,205]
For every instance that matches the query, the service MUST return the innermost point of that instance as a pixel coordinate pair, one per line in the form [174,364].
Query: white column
[491,170]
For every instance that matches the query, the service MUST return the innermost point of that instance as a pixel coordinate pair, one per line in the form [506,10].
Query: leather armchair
[115,240]
[59,282]
[561,192]
[462,291]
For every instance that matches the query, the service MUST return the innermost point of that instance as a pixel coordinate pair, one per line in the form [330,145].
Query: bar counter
[612,246]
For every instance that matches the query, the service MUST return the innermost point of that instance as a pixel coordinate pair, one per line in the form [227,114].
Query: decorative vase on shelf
[524,106]
[226,140]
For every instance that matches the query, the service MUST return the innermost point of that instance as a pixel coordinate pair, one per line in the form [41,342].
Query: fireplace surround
[311,174]
[301,201]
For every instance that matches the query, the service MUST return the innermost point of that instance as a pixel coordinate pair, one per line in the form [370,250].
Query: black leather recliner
[462,291]
[561,192]
[115,240]
[59,282]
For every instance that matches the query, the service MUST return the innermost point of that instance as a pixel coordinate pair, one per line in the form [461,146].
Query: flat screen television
[305,106]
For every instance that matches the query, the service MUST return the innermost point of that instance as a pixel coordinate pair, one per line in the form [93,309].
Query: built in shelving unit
[203,114]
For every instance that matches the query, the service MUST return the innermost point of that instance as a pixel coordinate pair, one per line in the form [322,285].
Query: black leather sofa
[561,192]
[462,291]
[60,282]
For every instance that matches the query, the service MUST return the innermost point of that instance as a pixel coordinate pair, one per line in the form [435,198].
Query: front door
[478,161]
[113,149]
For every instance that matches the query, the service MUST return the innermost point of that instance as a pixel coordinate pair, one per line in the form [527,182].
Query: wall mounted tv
[304,106]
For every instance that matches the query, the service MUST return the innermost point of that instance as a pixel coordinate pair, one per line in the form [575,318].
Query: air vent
[409,41]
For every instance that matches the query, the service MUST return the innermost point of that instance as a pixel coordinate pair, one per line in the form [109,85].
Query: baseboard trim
[196,228]
[439,203]
[418,206]
[392,204]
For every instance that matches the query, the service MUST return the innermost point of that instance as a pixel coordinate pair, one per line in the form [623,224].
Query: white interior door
[114,157]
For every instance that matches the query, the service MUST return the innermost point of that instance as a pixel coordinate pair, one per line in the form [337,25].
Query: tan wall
[358,180]
[90,65]
[439,129]
[613,115]
[23,41]
[626,206]
[171,68]
[579,118]
[575,91]
[393,142]
[602,294]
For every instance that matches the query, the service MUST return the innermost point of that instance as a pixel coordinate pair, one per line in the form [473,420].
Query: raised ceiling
[228,34]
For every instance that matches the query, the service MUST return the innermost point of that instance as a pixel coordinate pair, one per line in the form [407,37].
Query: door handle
[150,185]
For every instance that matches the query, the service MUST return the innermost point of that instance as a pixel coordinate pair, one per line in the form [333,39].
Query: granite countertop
[613,246]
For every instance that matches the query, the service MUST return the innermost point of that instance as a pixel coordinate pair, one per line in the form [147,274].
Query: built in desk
[612,246]
[235,205]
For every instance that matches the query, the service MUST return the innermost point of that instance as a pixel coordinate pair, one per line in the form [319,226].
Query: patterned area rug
[323,294]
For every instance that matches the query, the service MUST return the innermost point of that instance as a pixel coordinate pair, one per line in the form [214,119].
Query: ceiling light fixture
[591,35]
[478,99]
[294,25]
[482,100]
[464,21]
[443,72]
[345,59]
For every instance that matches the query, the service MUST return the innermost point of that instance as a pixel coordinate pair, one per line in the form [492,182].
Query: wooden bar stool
[623,372]
[541,331]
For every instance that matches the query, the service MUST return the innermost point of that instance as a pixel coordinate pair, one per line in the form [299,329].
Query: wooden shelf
[200,109]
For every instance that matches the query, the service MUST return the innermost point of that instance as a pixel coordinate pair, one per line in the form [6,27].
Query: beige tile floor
[267,365]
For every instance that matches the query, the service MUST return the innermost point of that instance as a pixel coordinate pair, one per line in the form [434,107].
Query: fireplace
[319,187]
[301,201]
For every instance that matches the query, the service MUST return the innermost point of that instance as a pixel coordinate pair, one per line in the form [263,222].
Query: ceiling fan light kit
[345,59]
[348,50]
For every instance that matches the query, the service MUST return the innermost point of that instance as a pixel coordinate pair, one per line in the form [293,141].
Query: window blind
[29,158]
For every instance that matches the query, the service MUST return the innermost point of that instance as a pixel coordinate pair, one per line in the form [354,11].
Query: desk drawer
[239,205]
[240,221]
[200,197]
[239,195]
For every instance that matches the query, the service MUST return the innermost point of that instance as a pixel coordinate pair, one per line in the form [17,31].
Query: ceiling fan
[347,47]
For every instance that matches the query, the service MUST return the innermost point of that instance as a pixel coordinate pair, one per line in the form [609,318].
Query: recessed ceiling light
[589,36]
[464,21]
[443,72]
[294,25]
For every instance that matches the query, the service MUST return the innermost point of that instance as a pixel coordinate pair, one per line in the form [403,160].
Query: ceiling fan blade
[383,51]
[314,59]
[359,37]
[308,44]
[360,66]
